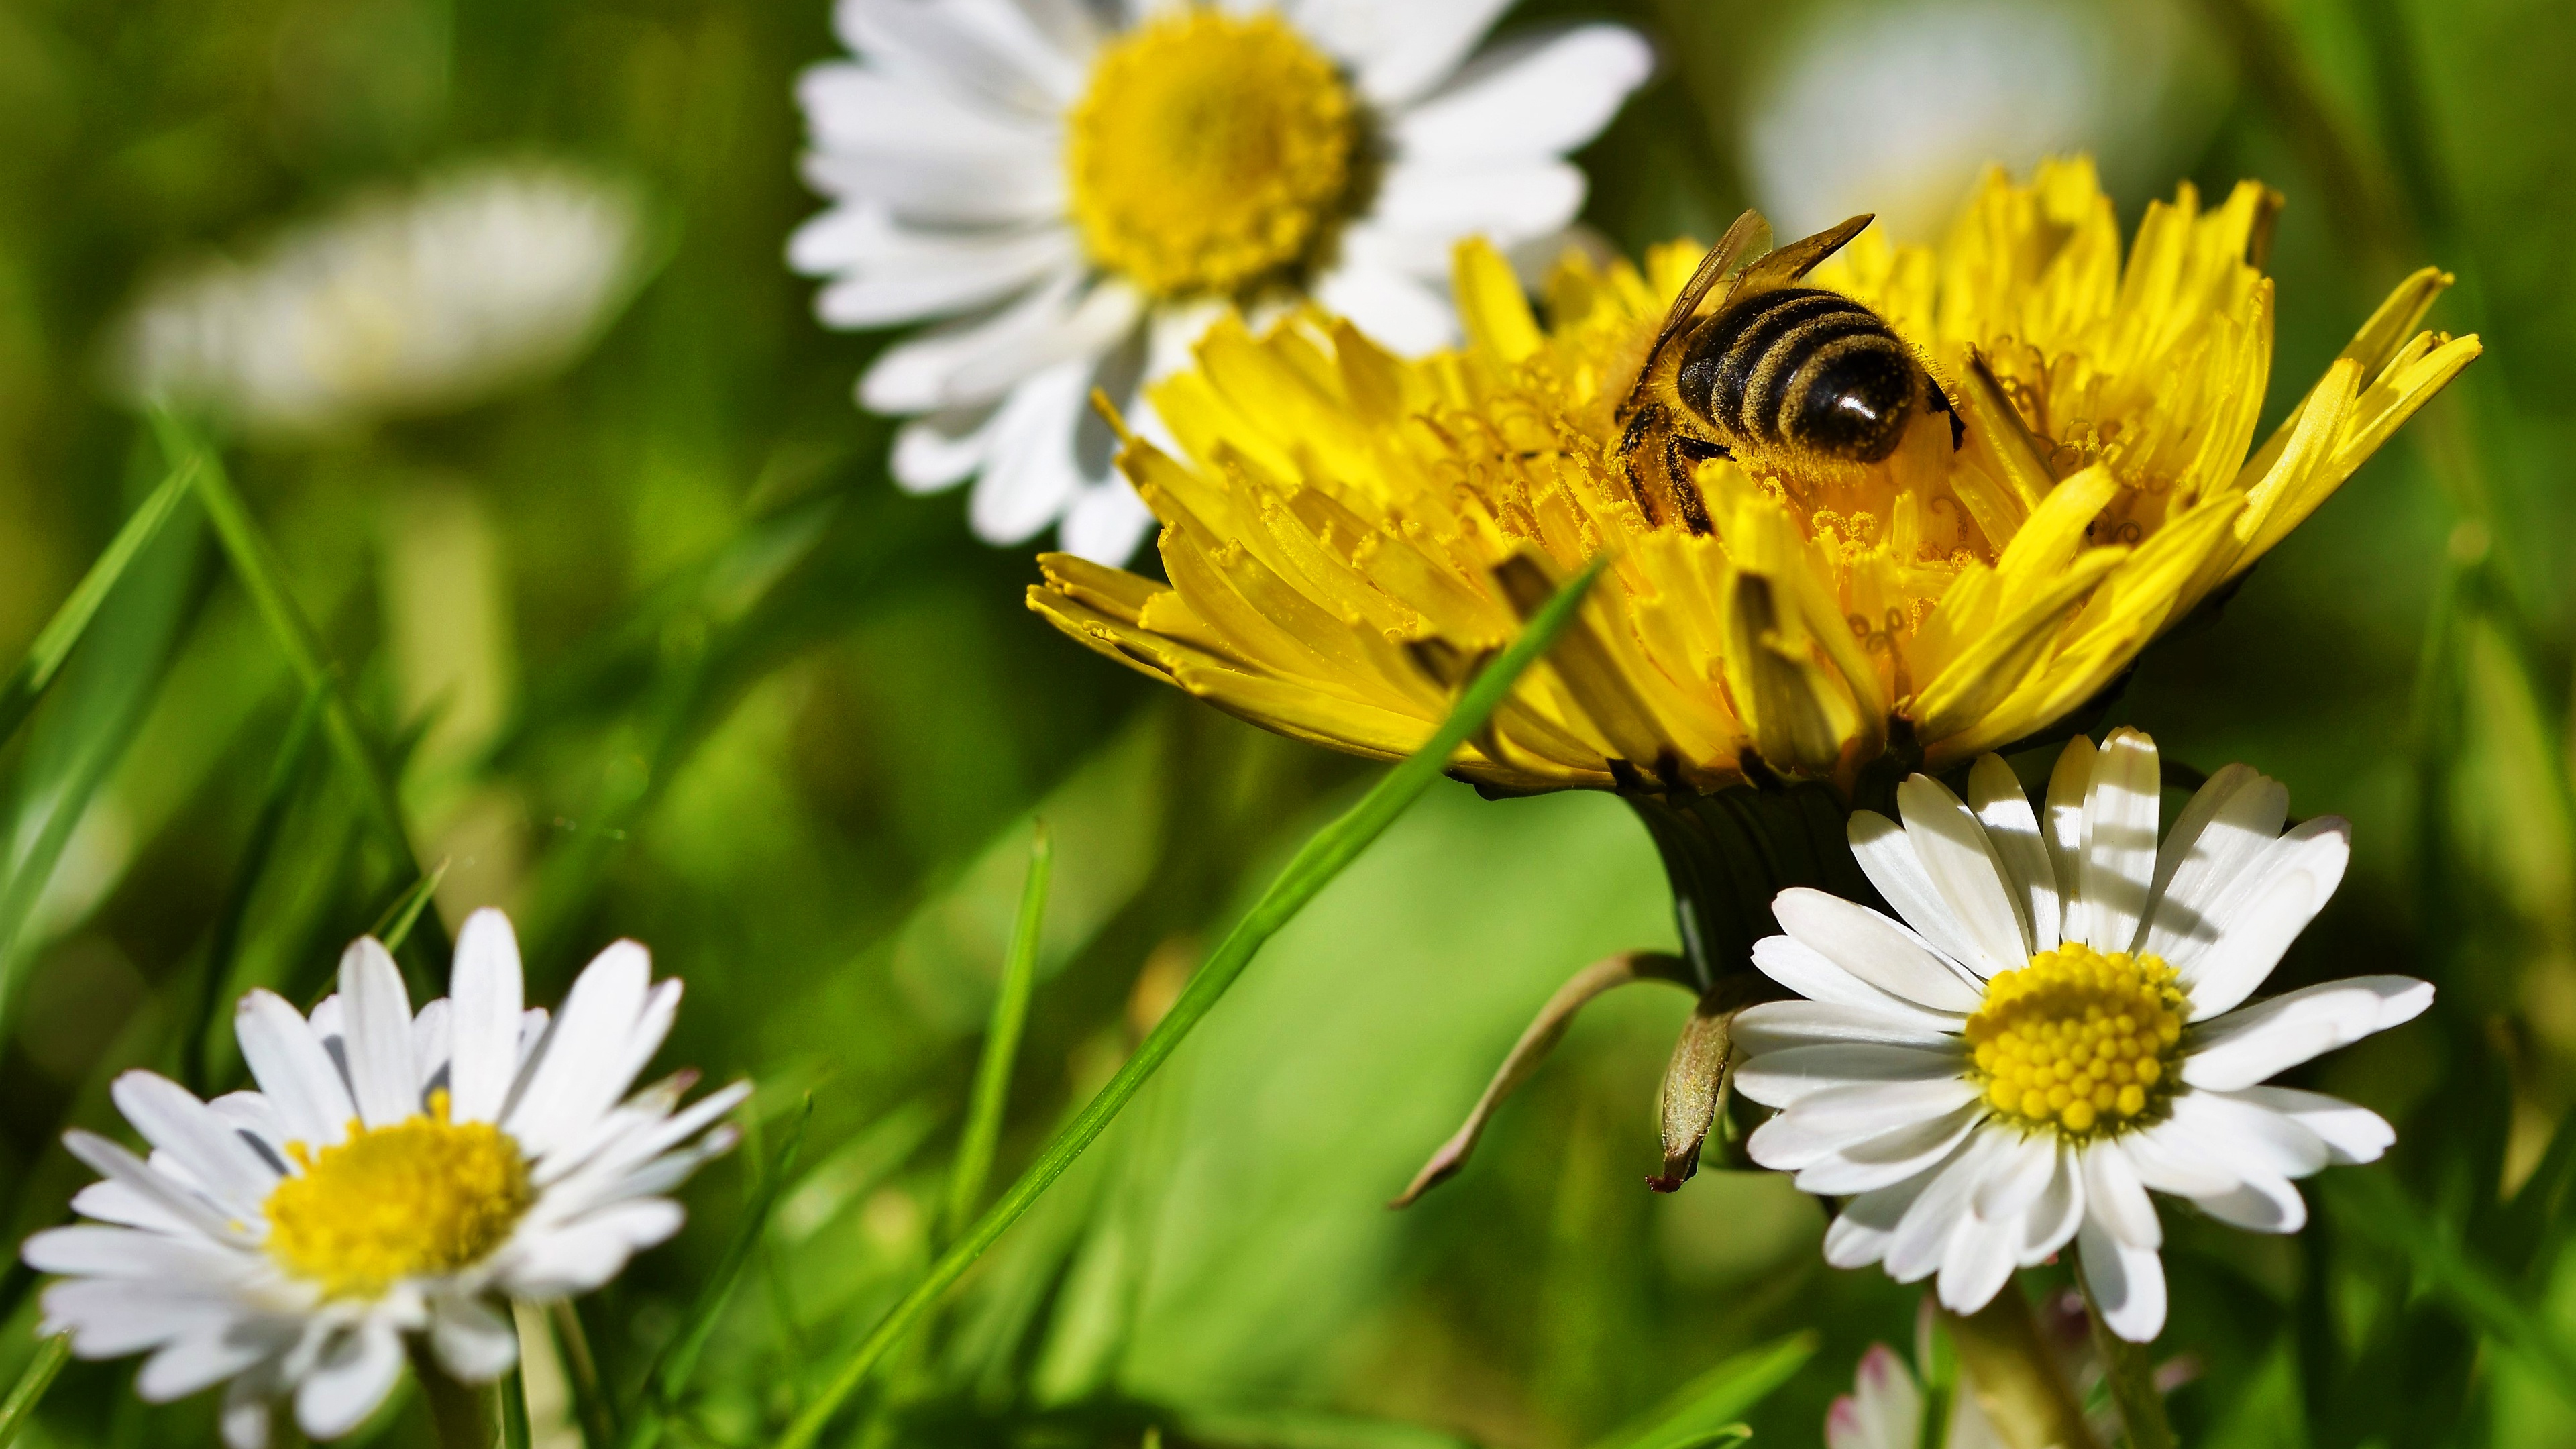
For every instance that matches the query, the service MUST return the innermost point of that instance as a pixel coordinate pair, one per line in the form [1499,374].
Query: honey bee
[1785,379]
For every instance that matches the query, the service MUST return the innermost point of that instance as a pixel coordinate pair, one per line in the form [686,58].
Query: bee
[1783,378]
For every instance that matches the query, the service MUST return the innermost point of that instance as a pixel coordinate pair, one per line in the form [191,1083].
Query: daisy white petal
[2118,1198]
[976,362]
[1886,856]
[888,274]
[352,1377]
[1402,51]
[1809,972]
[206,1355]
[2311,857]
[1773,1025]
[378,1016]
[2001,807]
[2232,818]
[974,49]
[2062,824]
[1922,1237]
[2053,1217]
[854,107]
[2121,805]
[569,1087]
[286,1057]
[2351,1134]
[1874,949]
[1514,101]
[173,1120]
[1506,203]
[475,1341]
[1966,871]
[1979,1259]
[1793,1075]
[2127,1283]
[115,1202]
[1873,1162]
[433,1041]
[139,1177]
[2261,1041]
[1106,522]
[1395,308]
[1030,475]
[486,990]
[2239,961]
[1861,1233]
[943,449]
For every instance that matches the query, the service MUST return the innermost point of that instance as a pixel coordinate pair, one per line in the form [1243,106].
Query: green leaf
[1314,867]
[974,1165]
[26,685]
[32,1383]
[1706,1410]
[2373,1204]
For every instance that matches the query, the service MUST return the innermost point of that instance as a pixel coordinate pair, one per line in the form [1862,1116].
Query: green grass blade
[974,1165]
[256,565]
[224,948]
[2374,1205]
[669,1377]
[31,1386]
[395,926]
[1705,1410]
[26,685]
[1315,865]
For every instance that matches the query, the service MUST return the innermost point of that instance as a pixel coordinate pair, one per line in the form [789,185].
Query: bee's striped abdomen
[1805,369]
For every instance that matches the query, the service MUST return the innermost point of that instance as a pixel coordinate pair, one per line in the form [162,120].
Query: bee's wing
[1795,260]
[1749,237]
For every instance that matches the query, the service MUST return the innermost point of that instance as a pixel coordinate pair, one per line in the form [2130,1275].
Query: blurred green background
[655,650]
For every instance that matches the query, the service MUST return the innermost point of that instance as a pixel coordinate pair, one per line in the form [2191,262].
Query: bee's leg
[1682,457]
[1631,443]
[1941,404]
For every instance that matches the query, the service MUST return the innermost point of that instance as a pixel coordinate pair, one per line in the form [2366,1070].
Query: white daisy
[1885,1410]
[1086,184]
[396,303]
[395,1173]
[2063,1027]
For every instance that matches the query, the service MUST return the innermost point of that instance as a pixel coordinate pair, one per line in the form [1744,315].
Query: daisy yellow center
[2078,1040]
[422,1196]
[1209,151]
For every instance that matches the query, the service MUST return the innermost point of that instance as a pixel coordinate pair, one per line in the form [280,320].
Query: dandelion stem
[1314,867]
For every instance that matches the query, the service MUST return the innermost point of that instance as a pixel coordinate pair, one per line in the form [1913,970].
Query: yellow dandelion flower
[1348,534]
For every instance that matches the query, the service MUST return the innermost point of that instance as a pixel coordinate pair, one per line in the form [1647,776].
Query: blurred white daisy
[1886,1410]
[1086,184]
[397,303]
[1898,108]
[394,1173]
[2062,1028]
